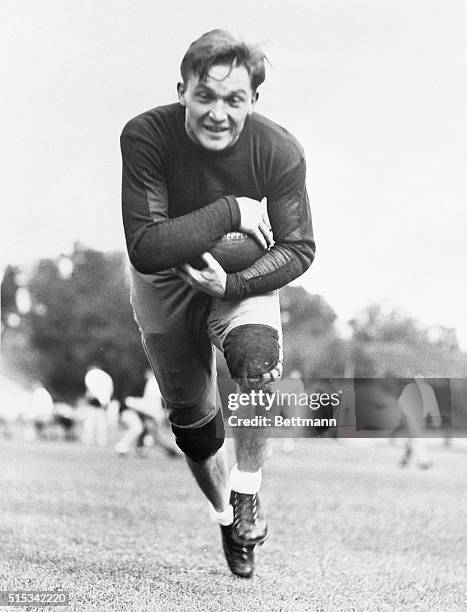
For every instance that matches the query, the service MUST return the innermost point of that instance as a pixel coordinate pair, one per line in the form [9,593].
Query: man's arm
[154,241]
[294,248]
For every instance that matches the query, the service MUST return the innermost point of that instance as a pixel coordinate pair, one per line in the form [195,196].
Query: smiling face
[217,107]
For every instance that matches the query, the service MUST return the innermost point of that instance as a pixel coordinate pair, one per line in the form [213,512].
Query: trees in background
[311,341]
[387,343]
[8,296]
[67,313]
[79,315]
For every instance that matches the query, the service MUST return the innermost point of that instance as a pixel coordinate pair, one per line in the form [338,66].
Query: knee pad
[252,354]
[202,442]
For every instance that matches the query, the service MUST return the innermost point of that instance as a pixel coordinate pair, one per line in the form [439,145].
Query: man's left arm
[294,248]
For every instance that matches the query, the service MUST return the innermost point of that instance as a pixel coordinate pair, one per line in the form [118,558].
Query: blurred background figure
[41,413]
[293,384]
[145,422]
[14,402]
[99,391]
[345,411]
[65,420]
[418,403]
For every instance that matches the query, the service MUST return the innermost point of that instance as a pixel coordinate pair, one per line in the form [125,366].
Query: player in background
[99,391]
[142,416]
[192,172]
[417,402]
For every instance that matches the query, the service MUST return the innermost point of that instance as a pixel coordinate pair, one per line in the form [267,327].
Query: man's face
[216,109]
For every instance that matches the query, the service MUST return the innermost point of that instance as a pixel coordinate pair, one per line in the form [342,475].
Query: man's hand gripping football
[213,279]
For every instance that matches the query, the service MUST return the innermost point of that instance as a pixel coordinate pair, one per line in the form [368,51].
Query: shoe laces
[246,507]
[239,550]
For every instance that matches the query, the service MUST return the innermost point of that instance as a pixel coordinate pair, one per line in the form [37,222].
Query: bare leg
[134,428]
[252,448]
[212,477]
[415,441]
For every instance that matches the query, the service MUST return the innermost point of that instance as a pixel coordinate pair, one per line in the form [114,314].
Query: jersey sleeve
[294,245]
[155,241]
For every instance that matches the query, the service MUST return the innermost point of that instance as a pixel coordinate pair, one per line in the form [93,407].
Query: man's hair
[220,47]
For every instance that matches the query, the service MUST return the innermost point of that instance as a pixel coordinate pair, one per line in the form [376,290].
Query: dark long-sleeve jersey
[178,198]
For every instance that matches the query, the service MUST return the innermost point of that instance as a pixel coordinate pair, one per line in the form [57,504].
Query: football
[235,251]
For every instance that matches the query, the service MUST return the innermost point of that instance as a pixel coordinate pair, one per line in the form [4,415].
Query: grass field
[349,530]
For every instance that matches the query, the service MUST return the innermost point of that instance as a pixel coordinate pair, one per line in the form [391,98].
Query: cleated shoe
[240,558]
[249,524]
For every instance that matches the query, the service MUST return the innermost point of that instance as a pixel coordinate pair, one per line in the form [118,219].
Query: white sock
[222,518]
[245,482]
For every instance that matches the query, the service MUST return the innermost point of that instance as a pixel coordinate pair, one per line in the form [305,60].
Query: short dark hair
[220,47]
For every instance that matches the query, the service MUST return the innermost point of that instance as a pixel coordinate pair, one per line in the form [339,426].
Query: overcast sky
[373,89]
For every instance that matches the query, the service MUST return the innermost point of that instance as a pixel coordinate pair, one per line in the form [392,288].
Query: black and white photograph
[233,306]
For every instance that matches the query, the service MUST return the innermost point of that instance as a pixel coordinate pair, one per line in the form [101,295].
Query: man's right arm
[154,241]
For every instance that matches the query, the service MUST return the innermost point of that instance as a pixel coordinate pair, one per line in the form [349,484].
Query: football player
[192,172]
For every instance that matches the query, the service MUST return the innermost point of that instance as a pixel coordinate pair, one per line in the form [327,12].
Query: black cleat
[249,524]
[240,558]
